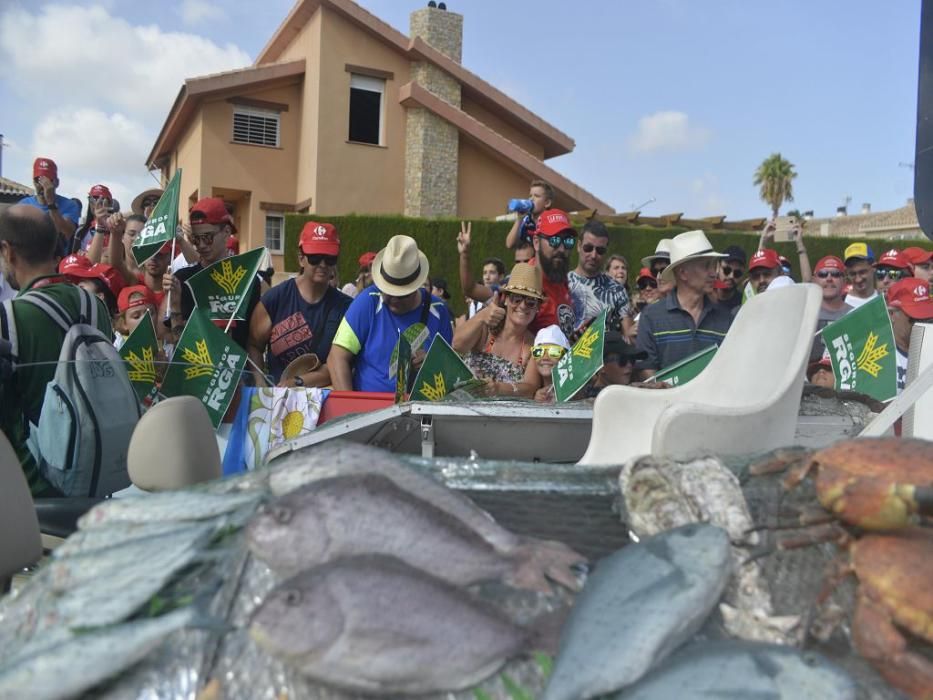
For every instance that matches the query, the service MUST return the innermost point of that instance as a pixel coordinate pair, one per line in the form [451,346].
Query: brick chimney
[432,145]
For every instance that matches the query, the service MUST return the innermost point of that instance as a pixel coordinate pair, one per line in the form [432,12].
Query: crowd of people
[519,321]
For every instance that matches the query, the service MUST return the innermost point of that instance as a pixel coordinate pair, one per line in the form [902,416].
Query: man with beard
[686,320]
[554,238]
[596,289]
[731,269]
[829,274]
[763,268]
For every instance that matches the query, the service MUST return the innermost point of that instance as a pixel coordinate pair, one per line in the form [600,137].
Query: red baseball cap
[210,211]
[137,295]
[764,258]
[319,239]
[822,363]
[99,191]
[912,296]
[109,275]
[893,258]
[166,248]
[75,266]
[830,262]
[44,167]
[917,256]
[645,274]
[366,259]
[553,221]
[233,245]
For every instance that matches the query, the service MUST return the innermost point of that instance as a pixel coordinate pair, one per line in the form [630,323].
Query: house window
[259,127]
[275,233]
[366,107]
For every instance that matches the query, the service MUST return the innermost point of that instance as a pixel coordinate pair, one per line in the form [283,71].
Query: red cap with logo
[912,296]
[98,191]
[893,258]
[75,266]
[109,275]
[917,256]
[366,259]
[319,239]
[210,211]
[644,274]
[44,167]
[830,262]
[553,221]
[137,295]
[764,258]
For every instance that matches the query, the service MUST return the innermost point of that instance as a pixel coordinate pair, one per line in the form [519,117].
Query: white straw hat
[400,268]
[662,251]
[691,245]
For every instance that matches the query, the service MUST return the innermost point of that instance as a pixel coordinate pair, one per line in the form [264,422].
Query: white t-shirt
[856,302]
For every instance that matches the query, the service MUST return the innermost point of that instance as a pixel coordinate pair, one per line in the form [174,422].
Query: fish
[661,494]
[639,605]
[541,560]
[107,537]
[373,624]
[167,506]
[741,669]
[66,668]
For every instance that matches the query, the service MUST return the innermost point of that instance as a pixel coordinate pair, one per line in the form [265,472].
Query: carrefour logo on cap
[43,163]
[320,231]
[921,291]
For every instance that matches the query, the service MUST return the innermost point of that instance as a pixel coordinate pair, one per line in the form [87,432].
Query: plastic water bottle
[520,206]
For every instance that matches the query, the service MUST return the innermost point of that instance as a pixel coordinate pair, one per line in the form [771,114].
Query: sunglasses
[208,238]
[589,248]
[315,260]
[895,275]
[556,241]
[518,299]
[824,274]
[658,269]
[555,352]
[150,201]
[615,358]
[732,271]
[645,284]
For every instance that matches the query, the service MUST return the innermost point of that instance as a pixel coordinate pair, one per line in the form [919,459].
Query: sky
[672,103]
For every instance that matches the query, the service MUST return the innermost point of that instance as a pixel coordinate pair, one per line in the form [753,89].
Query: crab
[878,484]
[894,573]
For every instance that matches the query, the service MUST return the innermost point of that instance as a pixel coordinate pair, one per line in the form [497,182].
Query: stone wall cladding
[432,145]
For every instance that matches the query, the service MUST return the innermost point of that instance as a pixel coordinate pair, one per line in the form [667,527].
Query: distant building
[341,113]
[11,192]
[898,223]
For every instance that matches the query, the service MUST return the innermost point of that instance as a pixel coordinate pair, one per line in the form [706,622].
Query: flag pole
[168,297]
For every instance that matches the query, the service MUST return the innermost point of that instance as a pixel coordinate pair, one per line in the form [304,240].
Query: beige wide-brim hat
[137,205]
[301,365]
[400,268]
[691,245]
[525,280]
[662,251]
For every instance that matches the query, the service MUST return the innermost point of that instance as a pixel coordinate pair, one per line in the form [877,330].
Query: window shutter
[259,127]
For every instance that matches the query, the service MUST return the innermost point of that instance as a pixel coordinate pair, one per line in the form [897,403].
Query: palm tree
[775,178]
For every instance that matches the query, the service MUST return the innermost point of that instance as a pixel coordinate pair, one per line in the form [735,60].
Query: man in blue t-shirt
[63,211]
[361,354]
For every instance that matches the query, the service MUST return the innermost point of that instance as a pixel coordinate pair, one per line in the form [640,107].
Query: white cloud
[668,131]
[72,54]
[92,147]
[706,195]
[195,11]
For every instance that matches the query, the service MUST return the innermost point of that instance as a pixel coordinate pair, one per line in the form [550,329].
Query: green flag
[140,352]
[442,373]
[160,227]
[688,368]
[581,364]
[222,289]
[206,364]
[861,348]
[402,369]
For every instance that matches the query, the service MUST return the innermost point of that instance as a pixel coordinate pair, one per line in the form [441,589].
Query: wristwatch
[298,380]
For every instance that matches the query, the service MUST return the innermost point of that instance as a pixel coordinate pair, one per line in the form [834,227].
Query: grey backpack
[89,410]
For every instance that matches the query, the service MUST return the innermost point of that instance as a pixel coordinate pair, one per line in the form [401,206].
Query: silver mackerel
[639,605]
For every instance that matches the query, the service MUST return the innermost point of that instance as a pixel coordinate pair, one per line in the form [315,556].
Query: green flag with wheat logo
[140,352]
[160,227]
[861,349]
[222,289]
[206,365]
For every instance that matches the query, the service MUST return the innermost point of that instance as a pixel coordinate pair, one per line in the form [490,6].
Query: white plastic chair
[20,542]
[746,400]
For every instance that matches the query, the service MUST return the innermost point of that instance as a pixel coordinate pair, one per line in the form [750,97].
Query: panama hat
[300,365]
[400,268]
[691,245]
[662,251]
[525,280]
[137,205]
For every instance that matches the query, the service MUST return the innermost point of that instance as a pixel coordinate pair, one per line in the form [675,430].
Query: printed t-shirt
[300,328]
[827,316]
[901,370]
[370,332]
[597,294]
[35,339]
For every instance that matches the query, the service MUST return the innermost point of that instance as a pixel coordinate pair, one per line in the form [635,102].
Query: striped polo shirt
[668,334]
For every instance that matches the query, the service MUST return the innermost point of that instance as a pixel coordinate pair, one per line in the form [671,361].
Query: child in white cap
[550,345]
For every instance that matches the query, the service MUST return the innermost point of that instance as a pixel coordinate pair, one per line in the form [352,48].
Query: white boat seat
[745,401]
[173,446]
[20,542]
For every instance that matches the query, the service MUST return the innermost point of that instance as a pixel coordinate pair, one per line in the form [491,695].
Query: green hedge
[437,238]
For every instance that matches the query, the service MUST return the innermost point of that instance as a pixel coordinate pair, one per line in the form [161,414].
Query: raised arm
[467,283]
[472,334]
[806,272]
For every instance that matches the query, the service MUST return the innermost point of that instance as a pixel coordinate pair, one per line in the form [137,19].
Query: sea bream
[375,625]
[167,506]
[639,605]
[740,669]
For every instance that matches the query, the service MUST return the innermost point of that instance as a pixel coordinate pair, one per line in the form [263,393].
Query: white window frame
[370,84]
[281,217]
[257,113]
